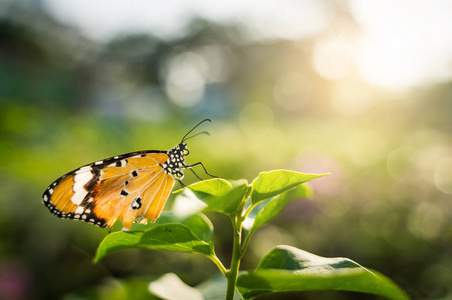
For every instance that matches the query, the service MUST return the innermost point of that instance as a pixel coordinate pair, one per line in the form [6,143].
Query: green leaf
[208,188]
[267,210]
[286,269]
[198,224]
[201,226]
[230,202]
[273,183]
[172,236]
[220,195]
[171,287]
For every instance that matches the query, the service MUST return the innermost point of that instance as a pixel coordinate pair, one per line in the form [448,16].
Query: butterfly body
[131,187]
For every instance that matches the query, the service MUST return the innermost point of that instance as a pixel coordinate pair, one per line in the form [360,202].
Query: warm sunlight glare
[351,97]
[404,43]
[333,56]
[398,45]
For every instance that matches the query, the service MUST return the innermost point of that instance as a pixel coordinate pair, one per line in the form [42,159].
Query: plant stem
[245,242]
[220,266]
[247,212]
[248,235]
[235,262]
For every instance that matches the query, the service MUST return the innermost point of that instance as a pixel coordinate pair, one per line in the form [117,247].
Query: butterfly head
[176,161]
[176,156]
[183,149]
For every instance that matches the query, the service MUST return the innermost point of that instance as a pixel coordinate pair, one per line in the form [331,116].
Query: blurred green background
[361,90]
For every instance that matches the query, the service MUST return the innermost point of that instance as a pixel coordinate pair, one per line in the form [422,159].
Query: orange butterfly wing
[129,187]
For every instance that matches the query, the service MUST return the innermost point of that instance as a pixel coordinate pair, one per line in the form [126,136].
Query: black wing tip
[88,218]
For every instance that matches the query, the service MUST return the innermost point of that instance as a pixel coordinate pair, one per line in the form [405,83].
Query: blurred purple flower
[14,281]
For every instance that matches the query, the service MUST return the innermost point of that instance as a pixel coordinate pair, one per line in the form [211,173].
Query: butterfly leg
[205,170]
[193,171]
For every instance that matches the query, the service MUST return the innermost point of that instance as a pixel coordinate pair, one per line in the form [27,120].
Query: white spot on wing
[80,180]
[99,162]
[78,197]
[79,210]
[83,170]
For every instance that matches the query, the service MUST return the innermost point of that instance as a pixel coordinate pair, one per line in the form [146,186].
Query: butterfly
[132,187]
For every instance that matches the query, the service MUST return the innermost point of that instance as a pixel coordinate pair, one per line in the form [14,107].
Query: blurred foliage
[249,206]
[66,100]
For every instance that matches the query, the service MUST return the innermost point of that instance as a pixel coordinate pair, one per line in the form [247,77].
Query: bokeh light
[184,80]
[443,175]
[400,164]
[426,220]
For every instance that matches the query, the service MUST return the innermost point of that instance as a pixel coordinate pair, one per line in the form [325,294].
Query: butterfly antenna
[199,133]
[183,139]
